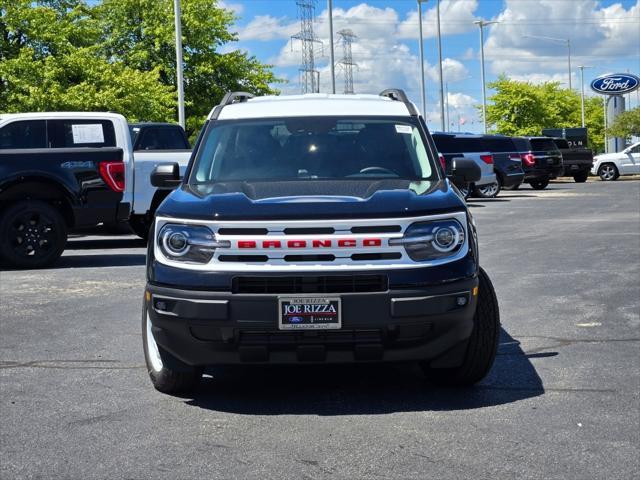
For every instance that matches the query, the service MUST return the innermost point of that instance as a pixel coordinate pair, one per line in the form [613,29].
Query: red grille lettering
[246,244]
[346,243]
[321,243]
[271,244]
[372,242]
[297,243]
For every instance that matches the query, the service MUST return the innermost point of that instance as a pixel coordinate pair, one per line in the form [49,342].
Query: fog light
[461,301]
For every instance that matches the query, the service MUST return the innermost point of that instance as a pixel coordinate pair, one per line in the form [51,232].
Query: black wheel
[512,187]
[32,234]
[608,172]
[483,343]
[167,373]
[487,191]
[539,184]
[581,177]
[465,190]
[140,226]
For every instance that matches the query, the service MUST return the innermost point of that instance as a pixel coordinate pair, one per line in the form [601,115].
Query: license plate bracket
[309,312]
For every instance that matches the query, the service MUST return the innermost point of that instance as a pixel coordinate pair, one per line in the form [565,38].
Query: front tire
[482,346]
[539,184]
[167,373]
[140,226]
[33,234]
[581,177]
[487,191]
[465,190]
[608,172]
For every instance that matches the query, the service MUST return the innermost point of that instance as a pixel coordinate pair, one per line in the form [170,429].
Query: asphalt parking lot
[562,401]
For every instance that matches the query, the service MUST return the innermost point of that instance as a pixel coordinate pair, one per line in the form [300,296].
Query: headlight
[432,240]
[188,243]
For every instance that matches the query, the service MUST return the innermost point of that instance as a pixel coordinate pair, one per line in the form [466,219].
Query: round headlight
[445,239]
[176,243]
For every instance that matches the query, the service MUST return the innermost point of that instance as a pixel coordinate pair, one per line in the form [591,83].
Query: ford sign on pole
[615,83]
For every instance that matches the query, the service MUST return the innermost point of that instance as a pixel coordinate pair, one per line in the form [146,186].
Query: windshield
[302,148]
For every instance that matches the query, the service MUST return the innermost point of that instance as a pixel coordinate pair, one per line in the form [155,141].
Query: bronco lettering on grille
[322,243]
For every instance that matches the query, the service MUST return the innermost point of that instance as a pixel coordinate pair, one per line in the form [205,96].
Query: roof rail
[399,96]
[229,99]
[235,97]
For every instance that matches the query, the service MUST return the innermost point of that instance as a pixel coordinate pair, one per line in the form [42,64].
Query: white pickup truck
[153,144]
[70,135]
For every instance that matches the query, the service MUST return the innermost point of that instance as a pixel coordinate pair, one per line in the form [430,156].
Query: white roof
[314,104]
[55,115]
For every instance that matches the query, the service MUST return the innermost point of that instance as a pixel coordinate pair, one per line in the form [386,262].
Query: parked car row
[514,160]
[61,171]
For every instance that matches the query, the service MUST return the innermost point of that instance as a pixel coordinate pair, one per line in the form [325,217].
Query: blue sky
[605,35]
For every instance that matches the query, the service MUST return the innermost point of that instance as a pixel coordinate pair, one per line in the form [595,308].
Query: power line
[309,76]
[346,39]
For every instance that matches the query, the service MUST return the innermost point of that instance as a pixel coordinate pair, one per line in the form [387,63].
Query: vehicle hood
[309,199]
[608,156]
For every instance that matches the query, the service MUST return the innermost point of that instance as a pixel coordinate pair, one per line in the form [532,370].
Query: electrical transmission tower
[347,37]
[309,76]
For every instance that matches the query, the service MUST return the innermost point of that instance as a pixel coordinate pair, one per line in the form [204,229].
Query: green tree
[50,60]
[120,55]
[522,108]
[626,125]
[140,33]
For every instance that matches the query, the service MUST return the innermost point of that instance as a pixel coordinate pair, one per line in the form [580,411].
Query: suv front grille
[311,284]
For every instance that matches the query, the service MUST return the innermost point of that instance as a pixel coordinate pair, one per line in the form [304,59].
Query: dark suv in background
[506,160]
[541,160]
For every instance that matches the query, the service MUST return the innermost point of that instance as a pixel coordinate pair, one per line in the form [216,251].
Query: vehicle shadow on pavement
[104,260]
[372,389]
[99,244]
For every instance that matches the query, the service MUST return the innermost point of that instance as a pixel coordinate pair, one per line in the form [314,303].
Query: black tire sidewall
[539,184]
[8,215]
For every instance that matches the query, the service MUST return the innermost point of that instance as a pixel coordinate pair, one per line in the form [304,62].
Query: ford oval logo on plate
[615,83]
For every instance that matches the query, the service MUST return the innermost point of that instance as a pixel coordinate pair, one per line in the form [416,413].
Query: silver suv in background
[449,147]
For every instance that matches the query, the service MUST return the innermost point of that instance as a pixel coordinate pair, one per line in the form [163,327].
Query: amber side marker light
[148,295]
[475,291]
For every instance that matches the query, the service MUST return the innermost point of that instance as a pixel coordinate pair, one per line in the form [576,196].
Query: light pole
[179,79]
[331,59]
[422,86]
[482,24]
[440,67]
[566,41]
[582,67]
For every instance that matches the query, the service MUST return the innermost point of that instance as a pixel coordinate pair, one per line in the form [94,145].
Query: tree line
[522,108]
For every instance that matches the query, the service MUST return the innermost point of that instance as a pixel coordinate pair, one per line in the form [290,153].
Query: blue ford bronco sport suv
[316,229]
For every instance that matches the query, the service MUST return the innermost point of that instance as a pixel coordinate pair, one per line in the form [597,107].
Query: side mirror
[465,170]
[166,176]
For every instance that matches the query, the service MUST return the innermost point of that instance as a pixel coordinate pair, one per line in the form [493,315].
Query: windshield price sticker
[87,133]
[404,129]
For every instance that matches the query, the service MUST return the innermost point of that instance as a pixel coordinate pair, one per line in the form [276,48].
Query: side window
[24,134]
[162,138]
[79,133]
[636,149]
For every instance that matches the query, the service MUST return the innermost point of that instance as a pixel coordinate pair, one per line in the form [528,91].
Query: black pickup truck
[56,175]
[577,161]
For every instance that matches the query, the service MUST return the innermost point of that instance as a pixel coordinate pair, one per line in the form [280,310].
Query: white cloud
[237,8]
[266,27]
[456,16]
[597,35]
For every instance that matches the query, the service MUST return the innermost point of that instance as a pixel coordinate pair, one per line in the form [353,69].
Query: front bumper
[209,328]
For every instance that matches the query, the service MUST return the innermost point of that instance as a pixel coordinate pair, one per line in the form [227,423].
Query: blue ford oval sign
[615,83]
